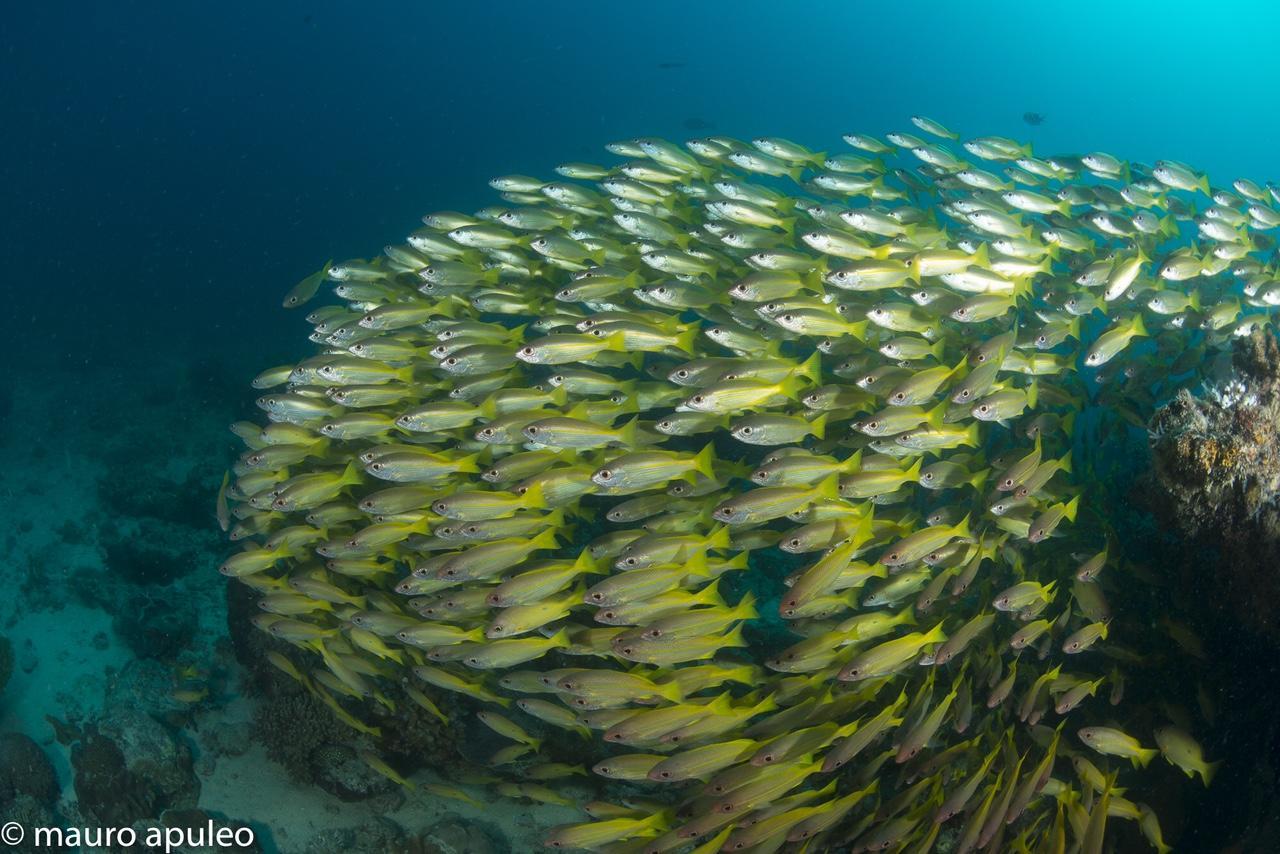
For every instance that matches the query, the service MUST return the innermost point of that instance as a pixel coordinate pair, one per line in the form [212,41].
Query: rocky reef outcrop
[1216,459]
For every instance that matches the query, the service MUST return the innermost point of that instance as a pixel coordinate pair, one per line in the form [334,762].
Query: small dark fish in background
[1033,118]
[671,64]
[695,123]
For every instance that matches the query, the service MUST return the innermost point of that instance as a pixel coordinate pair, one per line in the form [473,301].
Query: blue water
[170,170]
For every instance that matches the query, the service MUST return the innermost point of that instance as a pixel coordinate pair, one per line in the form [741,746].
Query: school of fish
[750,468]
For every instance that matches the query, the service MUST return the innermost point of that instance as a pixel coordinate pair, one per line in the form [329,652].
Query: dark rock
[456,835]
[156,756]
[108,795]
[379,834]
[1217,461]
[249,644]
[25,770]
[155,627]
[129,769]
[227,739]
[338,770]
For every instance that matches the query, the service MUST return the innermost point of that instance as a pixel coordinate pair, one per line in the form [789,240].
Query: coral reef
[379,834]
[455,835]
[25,770]
[293,726]
[1217,463]
[28,787]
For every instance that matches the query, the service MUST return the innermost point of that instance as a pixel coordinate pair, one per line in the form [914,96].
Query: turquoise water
[169,172]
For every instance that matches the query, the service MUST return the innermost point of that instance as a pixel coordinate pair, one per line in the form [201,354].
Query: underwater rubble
[748,496]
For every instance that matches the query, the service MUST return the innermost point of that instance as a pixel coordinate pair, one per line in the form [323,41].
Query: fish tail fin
[1203,185]
[686,339]
[546,539]
[1210,770]
[559,396]
[961,528]
[710,595]
[1194,300]
[616,342]
[351,475]
[1144,756]
[1138,327]
[788,224]
[718,538]
[1070,510]
[982,257]
[818,426]
[704,461]
[913,473]
[1023,287]
[935,417]
[979,478]
[468,463]
[746,608]
[813,281]
[790,387]
[627,432]
[1033,392]
[811,368]
[734,638]
[973,436]
[796,173]
[828,487]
